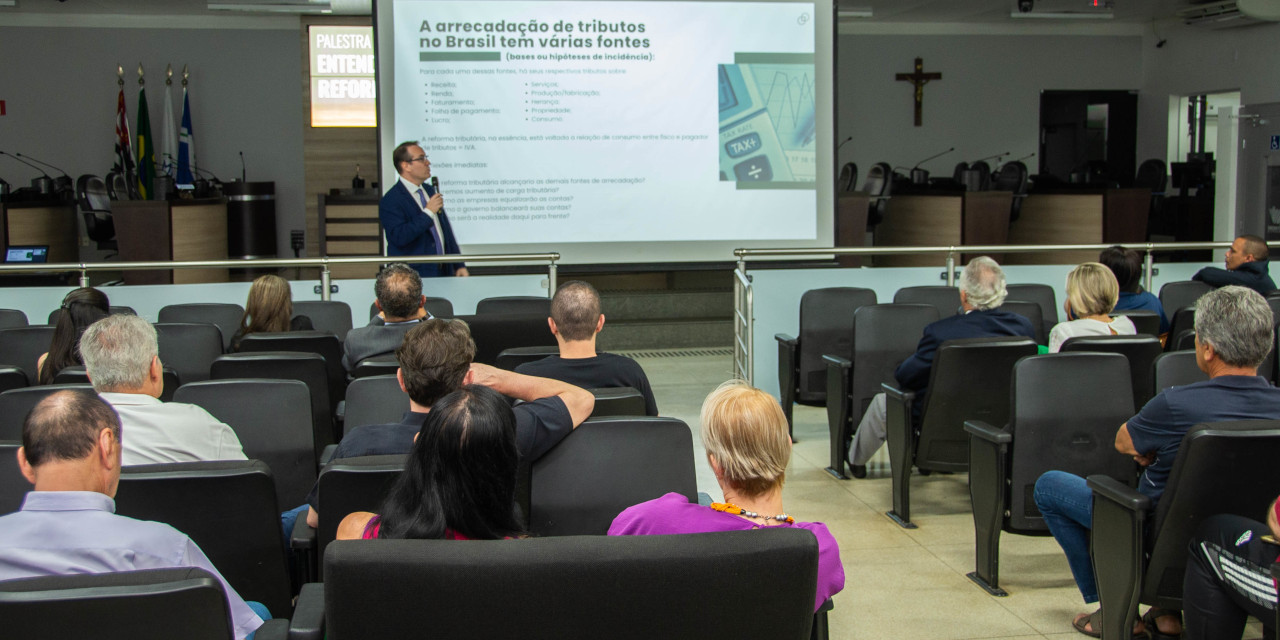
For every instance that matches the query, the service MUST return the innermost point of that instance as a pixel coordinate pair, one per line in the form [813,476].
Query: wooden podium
[942,220]
[172,230]
[1110,216]
[42,223]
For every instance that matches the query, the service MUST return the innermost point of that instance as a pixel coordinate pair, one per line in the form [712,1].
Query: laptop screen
[29,254]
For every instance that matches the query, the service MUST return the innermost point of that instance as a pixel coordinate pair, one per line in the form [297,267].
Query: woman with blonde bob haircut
[1092,292]
[745,434]
[269,309]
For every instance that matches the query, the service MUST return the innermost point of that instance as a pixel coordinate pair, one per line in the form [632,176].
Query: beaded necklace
[729,507]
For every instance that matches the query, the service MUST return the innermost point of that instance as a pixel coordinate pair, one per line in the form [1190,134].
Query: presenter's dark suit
[408,230]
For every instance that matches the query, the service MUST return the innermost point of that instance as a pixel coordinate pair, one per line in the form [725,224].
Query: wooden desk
[851,225]
[947,219]
[173,230]
[1111,216]
[349,226]
[42,223]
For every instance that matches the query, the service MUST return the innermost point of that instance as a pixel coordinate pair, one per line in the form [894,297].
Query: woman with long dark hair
[269,309]
[80,308]
[459,482]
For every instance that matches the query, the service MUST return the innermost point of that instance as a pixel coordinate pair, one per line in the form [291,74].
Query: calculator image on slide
[766,123]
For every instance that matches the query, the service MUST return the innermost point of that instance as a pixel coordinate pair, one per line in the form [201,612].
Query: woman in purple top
[745,434]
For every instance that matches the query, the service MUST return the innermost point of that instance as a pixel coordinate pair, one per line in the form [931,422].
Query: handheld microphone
[64,173]
[242,172]
[435,184]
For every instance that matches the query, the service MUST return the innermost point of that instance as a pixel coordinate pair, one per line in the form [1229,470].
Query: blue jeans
[1066,502]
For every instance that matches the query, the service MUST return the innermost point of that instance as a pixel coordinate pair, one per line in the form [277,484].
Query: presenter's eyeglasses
[421,159]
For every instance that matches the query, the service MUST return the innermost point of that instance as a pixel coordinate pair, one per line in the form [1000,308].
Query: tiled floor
[898,583]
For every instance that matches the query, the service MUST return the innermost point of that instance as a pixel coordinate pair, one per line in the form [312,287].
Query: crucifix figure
[919,78]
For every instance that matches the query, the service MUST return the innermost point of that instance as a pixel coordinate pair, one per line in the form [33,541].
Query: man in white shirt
[121,357]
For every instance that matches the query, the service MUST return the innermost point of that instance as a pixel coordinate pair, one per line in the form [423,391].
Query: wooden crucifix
[919,78]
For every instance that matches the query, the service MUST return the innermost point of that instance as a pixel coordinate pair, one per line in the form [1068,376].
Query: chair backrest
[1066,409]
[883,336]
[375,366]
[91,194]
[1176,295]
[617,401]
[848,180]
[958,173]
[374,400]
[229,509]
[373,587]
[112,310]
[323,343]
[1152,175]
[76,375]
[982,171]
[349,485]
[190,348]
[437,307]
[497,332]
[13,486]
[943,298]
[12,378]
[10,318]
[225,316]
[1141,350]
[879,186]
[1221,467]
[534,305]
[285,365]
[605,466]
[15,404]
[272,419]
[1147,322]
[333,316]
[509,359]
[153,604]
[1177,368]
[1041,294]
[826,327]
[23,346]
[1012,177]
[1184,319]
[970,380]
[1185,341]
[1032,312]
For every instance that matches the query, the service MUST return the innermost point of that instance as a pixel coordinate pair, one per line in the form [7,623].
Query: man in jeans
[1233,336]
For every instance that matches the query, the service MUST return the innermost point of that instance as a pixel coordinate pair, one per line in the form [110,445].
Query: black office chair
[22,347]
[285,365]
[190,348]
[332,316]
[509,359]
[1013,177]
[982,174]
[1181,323]
[112,310]
[617,401]
[76,375]
[228,508]
[15,404]
[883,336]
[323,343]
[533,305]
[13,485]
[95,208]
[879,187]
[970,380]
[344,487]
[848,179]
[1140,554]
[374,400]
[1066,408]
[1177,368]
[1184,293]
[1141,351]
[943,298]
[959,172]
[226,316]
[12,318]
[496,332]
[152,604]
[1032,312]
[12,378]
[122,185]
[375,366]
[1041,294]
[1145,321]
[826,328]
[437,307]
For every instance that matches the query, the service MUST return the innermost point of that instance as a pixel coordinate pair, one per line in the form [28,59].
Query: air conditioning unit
[1216,15]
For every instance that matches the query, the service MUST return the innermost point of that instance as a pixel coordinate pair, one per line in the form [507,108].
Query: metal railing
[323,263]
[744,303]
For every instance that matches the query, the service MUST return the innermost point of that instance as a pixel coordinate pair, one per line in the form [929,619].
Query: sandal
[1149,620]
[1090,624]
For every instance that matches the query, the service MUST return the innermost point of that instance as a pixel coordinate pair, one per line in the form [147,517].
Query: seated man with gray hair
[121,356]
[982,291]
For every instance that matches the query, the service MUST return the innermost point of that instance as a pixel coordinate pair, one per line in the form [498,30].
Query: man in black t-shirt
[575,320]
[435,360]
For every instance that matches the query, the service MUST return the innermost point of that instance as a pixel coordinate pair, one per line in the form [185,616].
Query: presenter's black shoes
[858,470]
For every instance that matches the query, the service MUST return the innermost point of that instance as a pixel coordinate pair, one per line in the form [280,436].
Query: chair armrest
[837,361]
[1121,494]
[326,454]
[273,629]
[302,536]
[308,615]
[341,411]
[786,339]
[827,605]
[895,394]
[984,431]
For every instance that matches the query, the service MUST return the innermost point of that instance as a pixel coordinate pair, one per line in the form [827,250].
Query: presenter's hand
[435,203]
[462,272]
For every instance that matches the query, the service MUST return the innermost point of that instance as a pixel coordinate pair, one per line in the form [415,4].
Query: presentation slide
[615,131]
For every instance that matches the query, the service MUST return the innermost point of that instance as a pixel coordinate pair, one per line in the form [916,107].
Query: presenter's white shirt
[1122,325]
[435,219]
[155,432]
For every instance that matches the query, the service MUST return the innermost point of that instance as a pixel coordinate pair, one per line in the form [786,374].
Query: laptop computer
[26,254]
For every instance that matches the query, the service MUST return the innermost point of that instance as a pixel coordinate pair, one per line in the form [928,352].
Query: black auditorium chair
[94,202]
[958,173]
[970,380]
[374,400]
[333,316]
[345,486]
[321,342]
[1184,293]
[272,421]
[1041,294]
[437,307]
[1147,322]
[229,509]
[372,587]
[1066,410]
[883,336]
[617,401]
[13,486]
[1177,368]
[12,378]
[22,347]
[15,404]
[982,174]
[605,466]
[1139,553]
[509,359]
[1141,351]
[76,375]
[826,328]
[496,332]
[1180,322]
[189,347]
[285,365]
[152,604]
[1033,313]
[1185,341]
[536,305]
[113,310]
[1013,177]
[11,318]
[375,366]
[225,315]
[943,298]
[848,180]
[879,187]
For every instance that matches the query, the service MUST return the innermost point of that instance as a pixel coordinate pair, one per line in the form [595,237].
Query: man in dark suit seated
[982,291]
[575,320]
[399,298]
[1247,266]
[413,217]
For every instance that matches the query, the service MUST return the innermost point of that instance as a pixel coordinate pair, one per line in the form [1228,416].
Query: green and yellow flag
[146,152]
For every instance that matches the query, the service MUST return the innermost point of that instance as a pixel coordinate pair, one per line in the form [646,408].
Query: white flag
[168,138]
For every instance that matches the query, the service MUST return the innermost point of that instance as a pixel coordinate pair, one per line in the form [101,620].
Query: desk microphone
[62,183]
[64,173]
[920,176]
[996,157]
[844,142]
[242,172]
[1029,155]
[19,159]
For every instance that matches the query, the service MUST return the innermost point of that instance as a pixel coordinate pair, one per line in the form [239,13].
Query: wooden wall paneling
[143,235]
[54,225]
[915,221]
[199,232]
[1057,219]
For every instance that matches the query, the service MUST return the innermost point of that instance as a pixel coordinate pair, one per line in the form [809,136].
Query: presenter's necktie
[435,233]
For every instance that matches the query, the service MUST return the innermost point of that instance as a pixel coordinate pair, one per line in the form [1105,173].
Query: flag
[186,147]
[124,147]
[169,137]
[146,151]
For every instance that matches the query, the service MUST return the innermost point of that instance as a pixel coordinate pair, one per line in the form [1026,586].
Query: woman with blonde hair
[1092,292]
[269,309]
[745,434]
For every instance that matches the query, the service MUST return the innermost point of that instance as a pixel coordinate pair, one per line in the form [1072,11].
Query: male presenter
[413,217]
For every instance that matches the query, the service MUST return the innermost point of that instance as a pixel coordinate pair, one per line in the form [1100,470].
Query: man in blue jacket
[1247,266]
[413,216]
[982,291]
